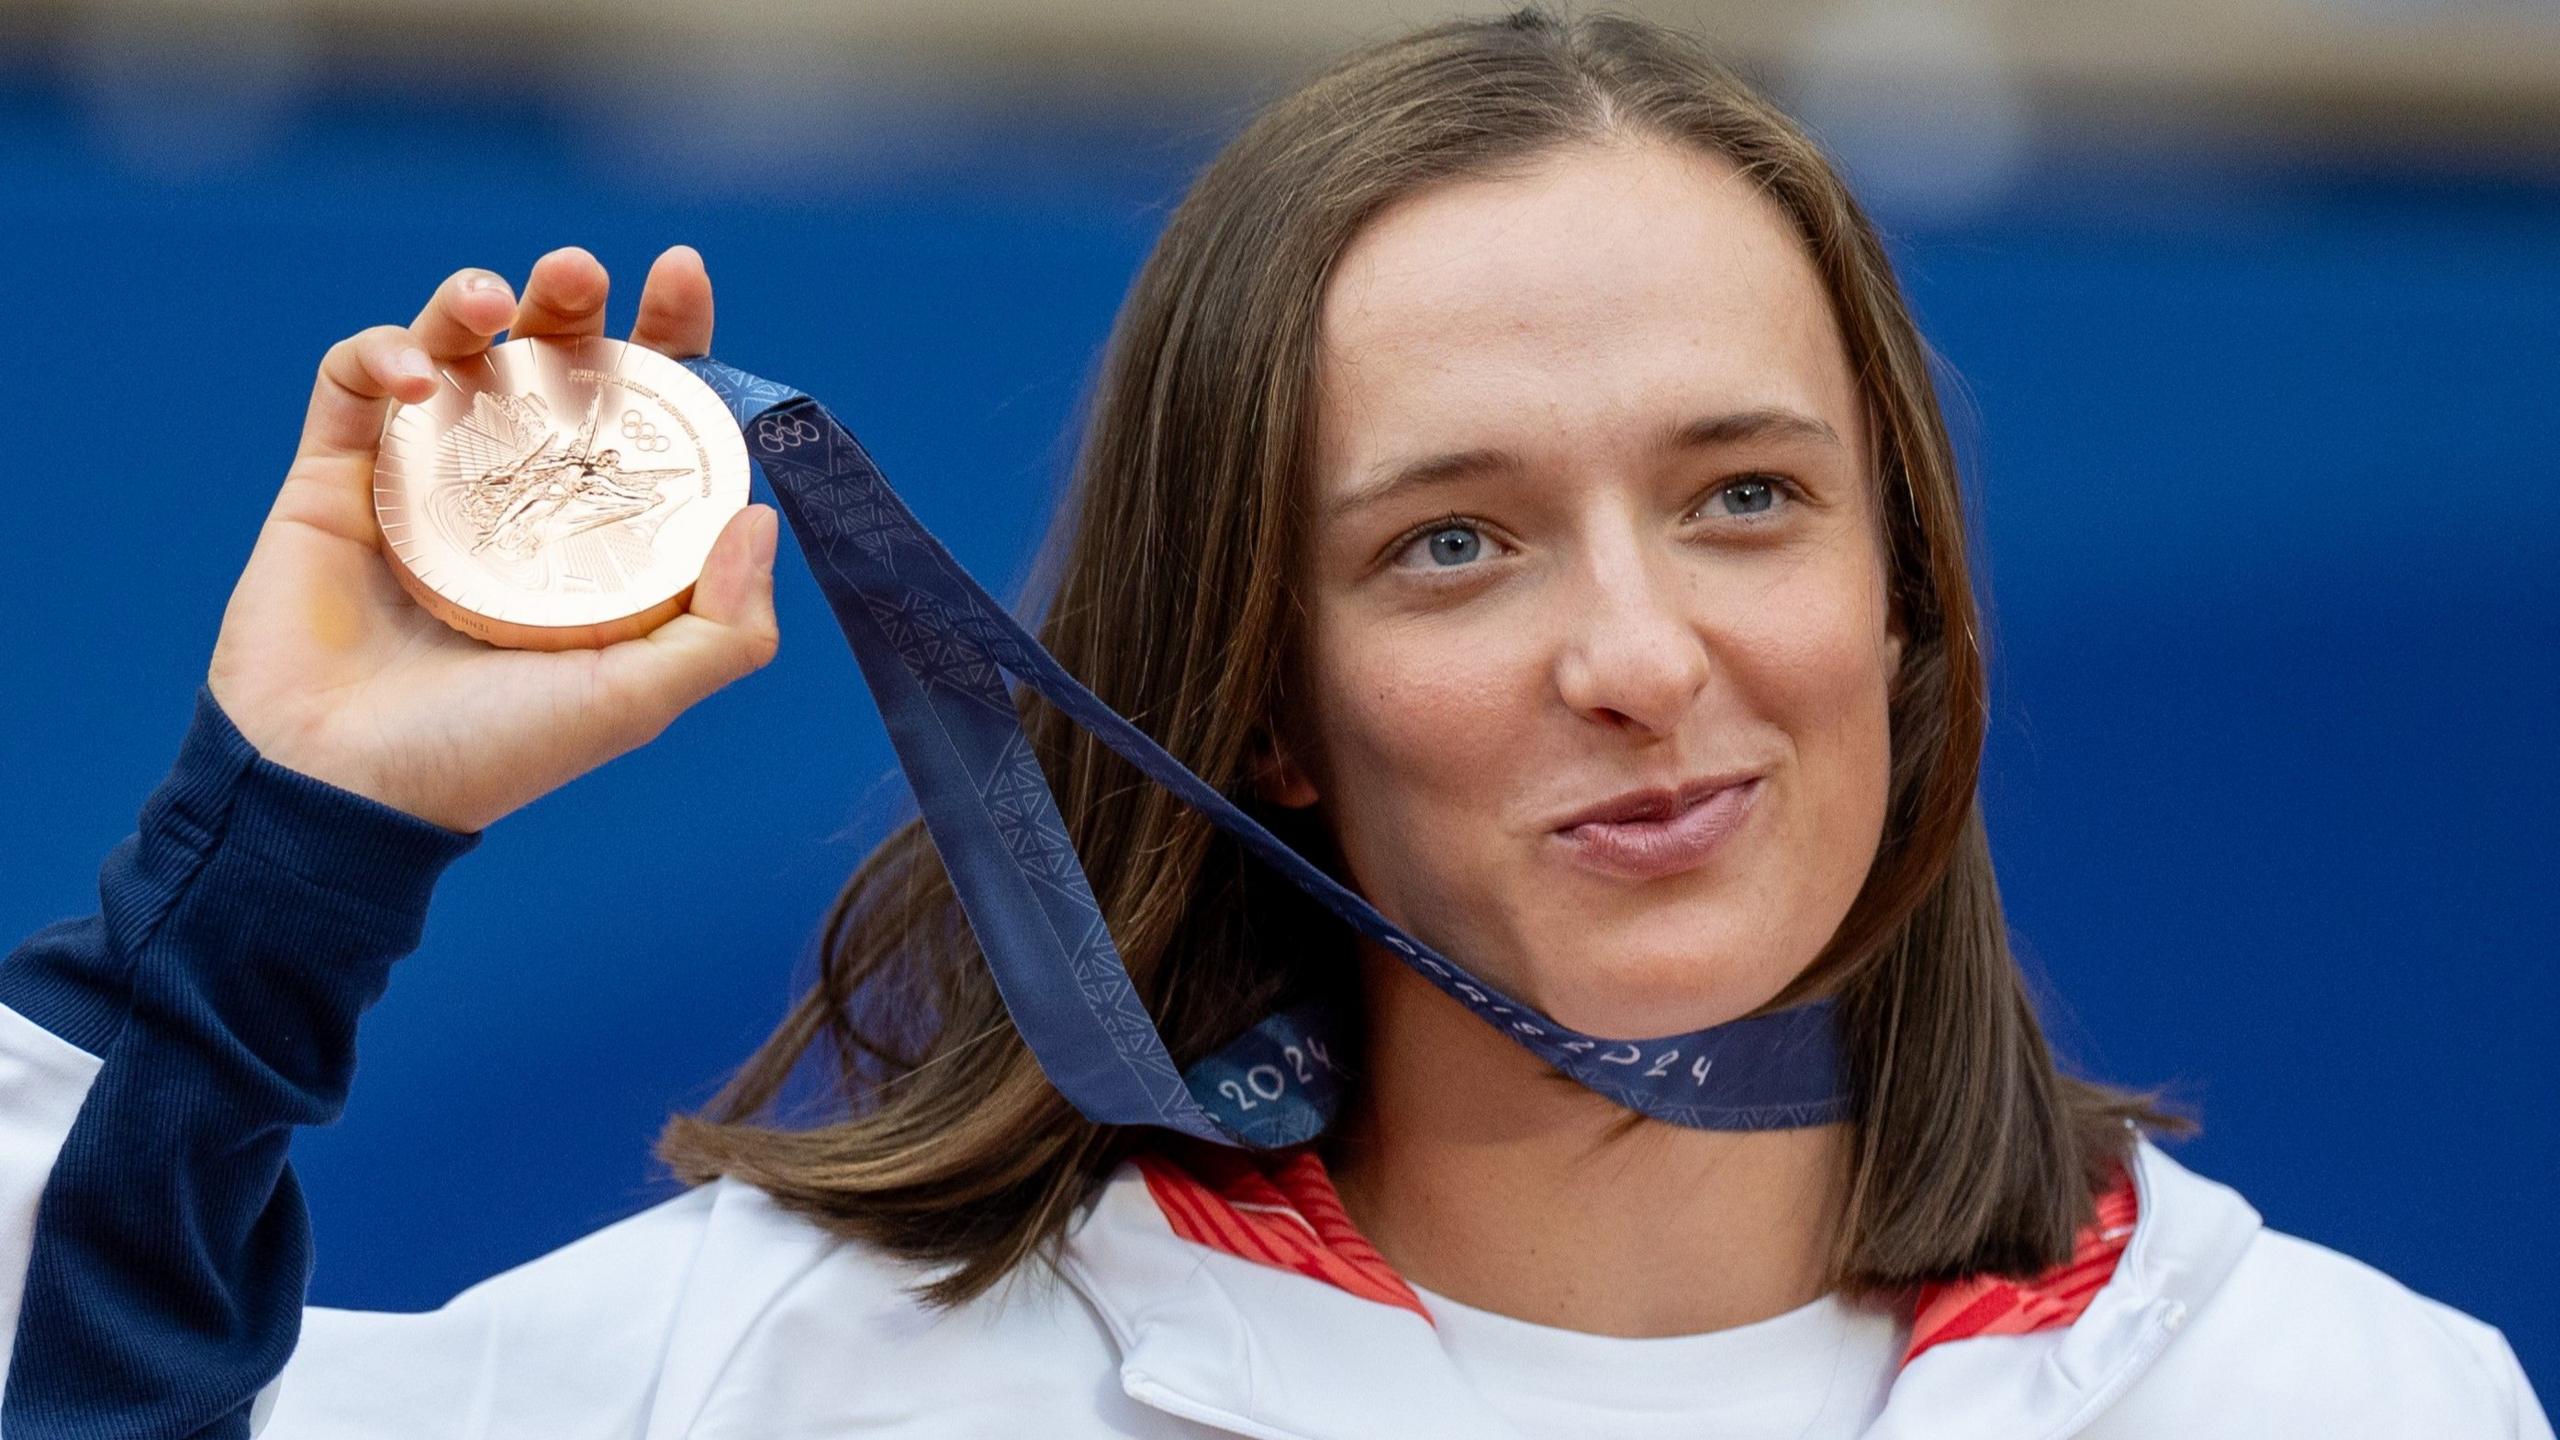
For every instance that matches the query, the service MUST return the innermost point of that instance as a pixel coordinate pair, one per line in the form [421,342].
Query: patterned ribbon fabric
[935,649]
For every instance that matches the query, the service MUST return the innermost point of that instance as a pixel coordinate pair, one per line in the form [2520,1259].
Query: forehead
[1610,284]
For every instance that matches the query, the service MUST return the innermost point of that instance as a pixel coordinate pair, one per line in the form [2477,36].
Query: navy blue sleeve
[246,924]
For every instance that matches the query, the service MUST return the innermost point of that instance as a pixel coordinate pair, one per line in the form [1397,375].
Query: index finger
[469,307]
[358,379]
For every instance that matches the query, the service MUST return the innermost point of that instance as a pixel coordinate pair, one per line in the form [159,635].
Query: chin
[1643,1001]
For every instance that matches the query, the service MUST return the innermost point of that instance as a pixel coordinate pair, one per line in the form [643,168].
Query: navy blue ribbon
[935,649]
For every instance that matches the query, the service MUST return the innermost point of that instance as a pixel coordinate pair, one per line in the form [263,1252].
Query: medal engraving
[557,493]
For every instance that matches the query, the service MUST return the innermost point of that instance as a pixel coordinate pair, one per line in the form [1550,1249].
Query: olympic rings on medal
[644,434]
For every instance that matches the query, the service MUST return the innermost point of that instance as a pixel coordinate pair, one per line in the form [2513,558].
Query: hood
[1241,1326]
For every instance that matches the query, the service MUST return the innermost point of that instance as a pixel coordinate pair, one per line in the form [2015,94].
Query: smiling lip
[1649,849]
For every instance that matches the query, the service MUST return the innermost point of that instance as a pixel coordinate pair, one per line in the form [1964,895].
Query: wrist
[331,833]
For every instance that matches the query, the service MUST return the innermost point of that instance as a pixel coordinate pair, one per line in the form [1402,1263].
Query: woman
[1518,420]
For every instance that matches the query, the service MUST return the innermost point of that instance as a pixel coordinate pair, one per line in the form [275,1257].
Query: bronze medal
[556,493]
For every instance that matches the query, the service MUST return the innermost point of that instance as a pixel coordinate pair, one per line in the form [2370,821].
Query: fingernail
[768,531]
[482,280]
[413,362]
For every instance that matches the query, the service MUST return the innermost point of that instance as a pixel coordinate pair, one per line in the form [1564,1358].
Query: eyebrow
[1766,423]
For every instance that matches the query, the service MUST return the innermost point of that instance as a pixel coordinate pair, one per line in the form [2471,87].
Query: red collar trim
[1273,1208]
[1993,1305]
[1280,1208]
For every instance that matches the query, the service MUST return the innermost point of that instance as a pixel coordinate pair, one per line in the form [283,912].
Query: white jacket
[718,1316]
[154,1056]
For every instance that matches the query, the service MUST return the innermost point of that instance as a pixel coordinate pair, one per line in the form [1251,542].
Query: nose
[1634,656]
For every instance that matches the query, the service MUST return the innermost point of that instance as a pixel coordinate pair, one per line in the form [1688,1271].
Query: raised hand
[328,667]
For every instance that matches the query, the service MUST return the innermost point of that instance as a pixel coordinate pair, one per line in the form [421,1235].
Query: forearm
[212,1002]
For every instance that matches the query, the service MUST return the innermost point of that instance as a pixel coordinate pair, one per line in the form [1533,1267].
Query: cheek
[1823,678]
[1414,723]
[1412,714]
[1825,675]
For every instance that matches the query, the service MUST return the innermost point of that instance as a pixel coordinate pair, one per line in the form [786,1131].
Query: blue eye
[1452,542]
[1765,493]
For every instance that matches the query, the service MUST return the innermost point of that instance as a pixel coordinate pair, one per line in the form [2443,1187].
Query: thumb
[728,630]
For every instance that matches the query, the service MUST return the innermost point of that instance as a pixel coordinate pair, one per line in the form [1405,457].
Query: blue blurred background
[2253,349]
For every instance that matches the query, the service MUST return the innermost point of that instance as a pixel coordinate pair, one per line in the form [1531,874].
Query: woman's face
[1635,545]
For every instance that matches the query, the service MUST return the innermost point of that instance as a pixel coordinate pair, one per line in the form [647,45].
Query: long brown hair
[939,1140]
